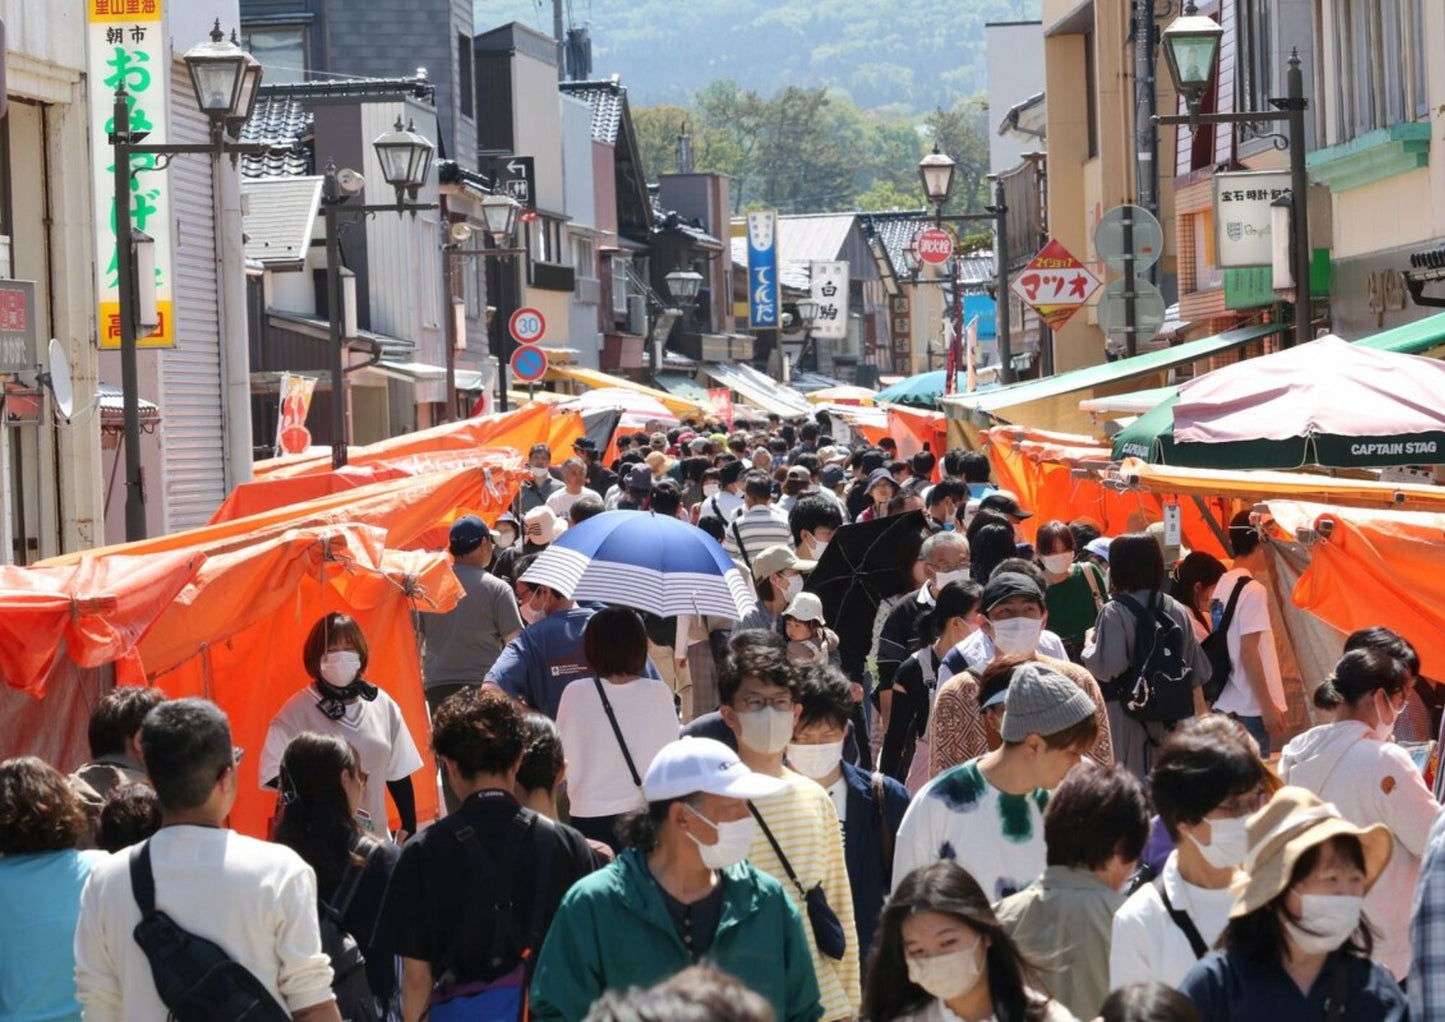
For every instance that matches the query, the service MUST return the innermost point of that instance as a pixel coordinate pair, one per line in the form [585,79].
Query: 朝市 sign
[1055,284]
[127,47]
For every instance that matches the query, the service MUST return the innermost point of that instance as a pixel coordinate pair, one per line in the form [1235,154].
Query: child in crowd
[810,640]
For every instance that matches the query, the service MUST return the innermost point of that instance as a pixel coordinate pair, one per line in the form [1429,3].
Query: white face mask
[1386,716]
[767,730]
[943,578]
[540,474]
[1228,843]
[530,614]
[709,489]
[792,586]
[819,545]
[947,976]
[815,761]
[1017,636]
[734,841]
[1326,921]
[1057,564]
[506,540]
[340,668]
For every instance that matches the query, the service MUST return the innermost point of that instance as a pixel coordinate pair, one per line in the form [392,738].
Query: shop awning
[1135,402]
[594,379]
[408,372]
[1266,485]
[1053,402]
[1417,338]
[683,385]
[758,390]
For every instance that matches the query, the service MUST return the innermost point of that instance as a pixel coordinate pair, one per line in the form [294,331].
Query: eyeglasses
[962,565]
[1239,805]
[751,704]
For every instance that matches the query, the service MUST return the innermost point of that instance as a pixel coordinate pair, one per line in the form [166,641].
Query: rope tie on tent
[489,482]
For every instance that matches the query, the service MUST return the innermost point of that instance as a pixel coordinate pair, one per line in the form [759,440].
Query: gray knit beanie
[1041,701]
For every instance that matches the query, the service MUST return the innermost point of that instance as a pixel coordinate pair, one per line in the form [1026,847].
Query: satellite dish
[58,379]
[349,181]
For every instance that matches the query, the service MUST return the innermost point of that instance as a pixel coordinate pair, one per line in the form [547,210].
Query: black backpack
[1158,687]
[349,982]
[195,978]
[1216,648]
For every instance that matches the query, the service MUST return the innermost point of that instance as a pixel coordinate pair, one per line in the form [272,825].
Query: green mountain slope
[917,54]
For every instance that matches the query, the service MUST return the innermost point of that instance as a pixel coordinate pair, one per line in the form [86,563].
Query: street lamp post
[1191,50]
[225,79]
[808,313]
[936,170]
[405,159]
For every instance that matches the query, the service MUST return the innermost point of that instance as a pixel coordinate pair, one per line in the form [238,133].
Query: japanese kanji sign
[764,312]
[1242,216]
[830,291]
[1055,284]
[127,47]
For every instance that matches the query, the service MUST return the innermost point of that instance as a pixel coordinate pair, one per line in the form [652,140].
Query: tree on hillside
[657,128]
[732,123]
[961,131]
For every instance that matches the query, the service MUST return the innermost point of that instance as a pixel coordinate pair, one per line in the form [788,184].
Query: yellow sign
[164,335]
[123,10]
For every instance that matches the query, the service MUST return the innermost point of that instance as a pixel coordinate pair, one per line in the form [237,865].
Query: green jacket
[612,931]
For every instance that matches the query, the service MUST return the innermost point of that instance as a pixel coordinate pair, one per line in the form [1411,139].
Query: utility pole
[559,33]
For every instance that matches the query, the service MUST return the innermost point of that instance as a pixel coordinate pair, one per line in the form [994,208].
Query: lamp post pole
[1002,326]
[1294,106]
[135,509]
[335,315]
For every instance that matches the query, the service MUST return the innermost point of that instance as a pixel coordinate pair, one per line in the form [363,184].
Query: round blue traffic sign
[529,364]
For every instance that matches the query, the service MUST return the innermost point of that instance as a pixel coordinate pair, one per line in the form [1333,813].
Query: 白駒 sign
[1242,235]
[763,304]
[1055,284]
[830,291]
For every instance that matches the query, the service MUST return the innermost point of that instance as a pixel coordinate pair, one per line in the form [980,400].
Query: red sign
[529,363]
[527,325]
[1055,284]
[722,403]
[935,246]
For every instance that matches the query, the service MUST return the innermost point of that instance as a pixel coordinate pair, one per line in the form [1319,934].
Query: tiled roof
[280,213]
[896,231]
[608,100]
[285,121]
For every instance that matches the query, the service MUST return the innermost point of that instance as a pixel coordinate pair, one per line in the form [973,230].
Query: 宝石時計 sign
[1242,235]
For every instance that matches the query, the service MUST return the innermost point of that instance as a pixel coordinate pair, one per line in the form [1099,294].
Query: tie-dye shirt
[997,837]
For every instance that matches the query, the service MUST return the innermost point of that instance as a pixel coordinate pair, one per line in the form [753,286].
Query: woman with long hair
[322,787]
[1192,583]
[941,954]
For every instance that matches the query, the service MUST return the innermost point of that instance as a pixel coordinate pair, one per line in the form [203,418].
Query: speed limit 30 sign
[527,325]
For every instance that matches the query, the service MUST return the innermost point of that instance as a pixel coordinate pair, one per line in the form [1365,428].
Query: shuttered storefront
[192,440]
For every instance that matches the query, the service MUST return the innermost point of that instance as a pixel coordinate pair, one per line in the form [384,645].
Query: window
[584,257]
[281,49]
[1379,54]
[1255,57]
[1091,93]
[464,74]
[619,283]
[472,269]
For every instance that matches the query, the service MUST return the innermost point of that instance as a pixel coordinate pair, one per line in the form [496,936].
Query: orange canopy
[1374,567]
[274,491]
[96,610]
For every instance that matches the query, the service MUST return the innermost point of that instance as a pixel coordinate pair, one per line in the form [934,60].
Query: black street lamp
[500,213]
[1191,50]
[225,79]
[683,286]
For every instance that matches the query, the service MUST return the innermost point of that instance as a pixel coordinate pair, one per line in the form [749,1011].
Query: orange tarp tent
[261,495]
[94,612]
[1374,567]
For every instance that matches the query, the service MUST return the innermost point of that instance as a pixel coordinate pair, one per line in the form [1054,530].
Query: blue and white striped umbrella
[646,561]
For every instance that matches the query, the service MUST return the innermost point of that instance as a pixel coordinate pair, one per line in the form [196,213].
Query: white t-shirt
[598,781]
[561,502]
[255,899]
[1251,615]
[1147,945]
[959,815]
[375,730]
[977,651]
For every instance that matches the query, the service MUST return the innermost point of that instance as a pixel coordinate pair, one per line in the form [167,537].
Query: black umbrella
[864,565]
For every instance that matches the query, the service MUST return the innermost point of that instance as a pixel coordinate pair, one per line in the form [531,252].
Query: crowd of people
[1040,788]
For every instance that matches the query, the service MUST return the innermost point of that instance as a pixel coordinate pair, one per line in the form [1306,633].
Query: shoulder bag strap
[742,549]
[541,880]
[142,879]
[485,869]
[1181,919]
[1228,618]
[1339,992]
[1091,576]
[617,732]
[777,849]
[351,880]
[884,831]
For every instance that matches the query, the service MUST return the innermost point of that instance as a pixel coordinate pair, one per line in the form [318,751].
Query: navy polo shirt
[1225,986]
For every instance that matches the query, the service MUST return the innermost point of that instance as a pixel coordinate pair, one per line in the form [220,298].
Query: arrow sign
[529,364]
[518,179]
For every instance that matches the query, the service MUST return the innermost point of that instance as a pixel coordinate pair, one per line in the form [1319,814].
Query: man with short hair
[943,502]
[987,814]
[813,521]
[727,501]
[115,753]
[799,823]
[587,507]
[758,526]
[254,899]
[599,478]
[540,484]
[437,913]
[945,559]
[574,479]
[777,578]
[1095,828]
[540,662]
[971,468]
[1254,694]
[637,488]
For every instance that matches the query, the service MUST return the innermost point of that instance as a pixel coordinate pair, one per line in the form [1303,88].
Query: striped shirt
[804,821]
[758,528]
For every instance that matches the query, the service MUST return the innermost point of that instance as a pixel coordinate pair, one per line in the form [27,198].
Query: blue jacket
[868,874]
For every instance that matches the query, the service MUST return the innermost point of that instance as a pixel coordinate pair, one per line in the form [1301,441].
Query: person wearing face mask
[599,479]
[1355,765]
[682,891]
[942,956]
[1136,584]
[341,701]
[942,502]
[1076,592]
[870,805]
[540,484]
[1095,827]
[758,526]
[1206,779]
[777,578]
[813,521]
[1297,945]
[952,617]
[987,814]
[798,841]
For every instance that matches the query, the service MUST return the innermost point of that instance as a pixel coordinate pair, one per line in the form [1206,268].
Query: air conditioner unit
[637,314]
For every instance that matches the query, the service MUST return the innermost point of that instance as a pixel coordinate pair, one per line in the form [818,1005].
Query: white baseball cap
[692,765]
[806,607]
